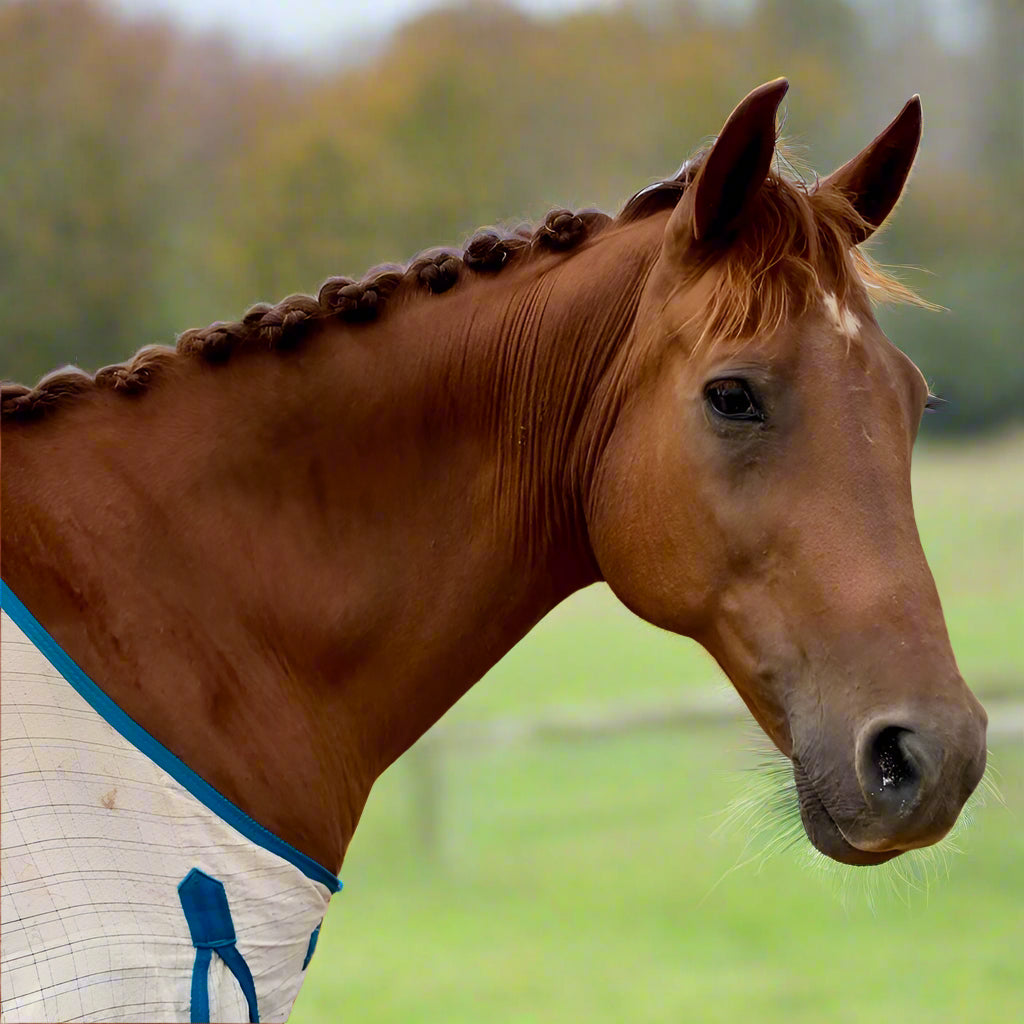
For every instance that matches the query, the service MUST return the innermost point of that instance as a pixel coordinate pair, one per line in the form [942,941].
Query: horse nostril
[913,781]
[895,767]
[892,767]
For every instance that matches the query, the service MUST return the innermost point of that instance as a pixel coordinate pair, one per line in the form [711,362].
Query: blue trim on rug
[156,751]
[204,902]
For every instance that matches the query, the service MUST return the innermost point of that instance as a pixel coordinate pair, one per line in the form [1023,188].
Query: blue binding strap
[156,751]
[311,948]
[205,904]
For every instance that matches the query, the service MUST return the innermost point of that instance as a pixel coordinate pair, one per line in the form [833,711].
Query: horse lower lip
[823,832]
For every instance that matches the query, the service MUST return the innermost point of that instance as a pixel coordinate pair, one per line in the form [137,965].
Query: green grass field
[585,881]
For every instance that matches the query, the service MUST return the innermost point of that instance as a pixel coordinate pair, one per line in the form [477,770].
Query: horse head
[755,490]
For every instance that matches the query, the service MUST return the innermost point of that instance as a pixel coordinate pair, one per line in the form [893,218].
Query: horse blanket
[131,889]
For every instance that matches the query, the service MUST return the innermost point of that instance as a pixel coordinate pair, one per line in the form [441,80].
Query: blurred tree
[1001,130]
[154,180]
[77,210]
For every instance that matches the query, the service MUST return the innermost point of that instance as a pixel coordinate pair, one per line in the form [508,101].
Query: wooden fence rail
[706,708]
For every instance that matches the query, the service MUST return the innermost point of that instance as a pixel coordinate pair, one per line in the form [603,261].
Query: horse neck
[299,562]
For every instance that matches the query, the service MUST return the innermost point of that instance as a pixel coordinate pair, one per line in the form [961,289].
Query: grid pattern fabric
[95,840]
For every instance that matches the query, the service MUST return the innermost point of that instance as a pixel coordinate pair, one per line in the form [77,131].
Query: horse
[270,557]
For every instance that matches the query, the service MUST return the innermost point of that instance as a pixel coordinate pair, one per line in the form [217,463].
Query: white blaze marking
[845,320]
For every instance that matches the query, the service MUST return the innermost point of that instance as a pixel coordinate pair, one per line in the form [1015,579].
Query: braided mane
[283,325]
[769,273]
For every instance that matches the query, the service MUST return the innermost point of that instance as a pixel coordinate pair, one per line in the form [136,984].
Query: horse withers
[266,561]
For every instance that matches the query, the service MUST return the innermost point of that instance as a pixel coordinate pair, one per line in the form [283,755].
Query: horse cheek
[652,545]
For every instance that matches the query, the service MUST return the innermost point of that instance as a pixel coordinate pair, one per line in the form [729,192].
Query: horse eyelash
[934,403]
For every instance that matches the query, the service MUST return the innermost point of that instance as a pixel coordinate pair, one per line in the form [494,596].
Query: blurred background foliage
[155,180]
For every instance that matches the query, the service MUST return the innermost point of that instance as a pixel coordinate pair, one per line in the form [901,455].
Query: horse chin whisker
[766,813]
[904,879]
[988,787]
[913,874]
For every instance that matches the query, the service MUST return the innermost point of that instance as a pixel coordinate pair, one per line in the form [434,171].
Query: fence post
[426,762]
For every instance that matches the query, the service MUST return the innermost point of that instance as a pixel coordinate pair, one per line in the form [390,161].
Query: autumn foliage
[155,180]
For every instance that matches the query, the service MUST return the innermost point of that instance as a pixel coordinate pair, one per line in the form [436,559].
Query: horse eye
[733,399]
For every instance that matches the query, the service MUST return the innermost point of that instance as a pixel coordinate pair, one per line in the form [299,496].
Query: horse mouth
[822,830]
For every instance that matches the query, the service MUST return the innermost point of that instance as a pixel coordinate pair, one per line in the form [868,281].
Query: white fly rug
[131,890]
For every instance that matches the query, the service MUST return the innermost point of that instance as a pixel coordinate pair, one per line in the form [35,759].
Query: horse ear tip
[910,116]
[772,93]
[777,87]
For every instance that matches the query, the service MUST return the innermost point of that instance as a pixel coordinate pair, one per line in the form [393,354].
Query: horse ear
[874,179]
[734,171]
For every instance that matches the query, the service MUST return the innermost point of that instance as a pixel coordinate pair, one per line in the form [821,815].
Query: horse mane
[792,239]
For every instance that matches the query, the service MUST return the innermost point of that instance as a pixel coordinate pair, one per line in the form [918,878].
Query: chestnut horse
[286,547]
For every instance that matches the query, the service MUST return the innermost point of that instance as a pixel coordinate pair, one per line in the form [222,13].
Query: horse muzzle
[903,786]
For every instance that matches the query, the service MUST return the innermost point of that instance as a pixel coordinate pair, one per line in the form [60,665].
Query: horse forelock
[794,244]
[793,247]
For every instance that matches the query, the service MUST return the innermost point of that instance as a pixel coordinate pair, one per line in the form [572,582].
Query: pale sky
[303,25]
[291,27]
